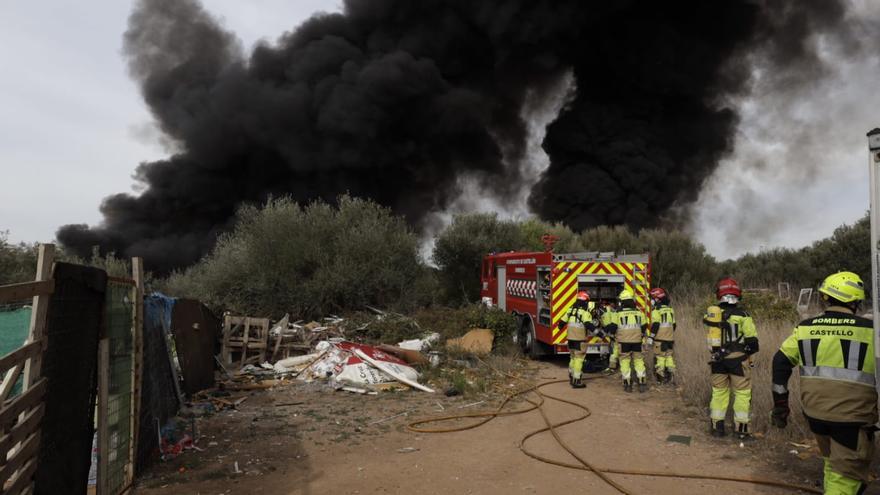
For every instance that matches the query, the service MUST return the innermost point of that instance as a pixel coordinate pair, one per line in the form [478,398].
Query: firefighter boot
[577,383]
[643,386]
[627,386]
[742,432]
[670,378]
[717,428]
[661,378]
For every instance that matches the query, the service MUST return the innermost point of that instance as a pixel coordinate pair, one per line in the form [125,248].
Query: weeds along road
[331,443]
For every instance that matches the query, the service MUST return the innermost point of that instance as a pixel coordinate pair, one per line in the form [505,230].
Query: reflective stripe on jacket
[663,323]
[835,353]
[630,325]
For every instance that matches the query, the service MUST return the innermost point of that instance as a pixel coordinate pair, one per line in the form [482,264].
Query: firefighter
[578,324]
[662,335]
[606,320]
[835,353]
[628,327]
[732,339]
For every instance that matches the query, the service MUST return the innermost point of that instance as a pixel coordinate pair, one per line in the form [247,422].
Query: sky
[73,127]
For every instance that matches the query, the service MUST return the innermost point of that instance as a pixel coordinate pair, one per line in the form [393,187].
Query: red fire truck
[540,287]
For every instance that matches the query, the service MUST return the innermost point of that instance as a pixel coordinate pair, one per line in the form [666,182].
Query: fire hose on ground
[582,464]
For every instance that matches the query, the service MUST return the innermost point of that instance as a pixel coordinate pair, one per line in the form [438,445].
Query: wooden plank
[103,410]
[224,346]
[282,325]
[9,380]
[18,356]
[28,488]
[33,368]
[244,348]
[23,483]
[22,430]
[137,268]
[122,281]
[387,369]
[252,345]
[22,403]
[264,339]
[26,290]
[27,453]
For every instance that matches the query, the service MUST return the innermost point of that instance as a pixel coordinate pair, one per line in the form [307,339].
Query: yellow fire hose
[486,416]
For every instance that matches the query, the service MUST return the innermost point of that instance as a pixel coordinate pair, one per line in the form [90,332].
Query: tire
[528,340]
[518,336]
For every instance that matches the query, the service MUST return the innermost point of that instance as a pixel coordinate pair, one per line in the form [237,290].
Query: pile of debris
[298,337]
[328,351]
[360,368]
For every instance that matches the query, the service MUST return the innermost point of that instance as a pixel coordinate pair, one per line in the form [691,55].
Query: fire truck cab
[540,287]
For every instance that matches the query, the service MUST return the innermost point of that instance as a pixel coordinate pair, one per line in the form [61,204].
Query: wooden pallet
[21,416]
[245,340]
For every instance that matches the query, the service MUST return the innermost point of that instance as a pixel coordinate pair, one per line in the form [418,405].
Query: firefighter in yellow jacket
[662,335]
[578,324]
[628,327]
[606,319]
[732,339]
[835,353]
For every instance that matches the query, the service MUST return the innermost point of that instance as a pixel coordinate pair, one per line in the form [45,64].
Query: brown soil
[328,445]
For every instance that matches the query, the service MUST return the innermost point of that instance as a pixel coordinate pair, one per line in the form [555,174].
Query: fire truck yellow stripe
[565,279]
[575,271]
[563,287]
[562,336]
[564,297]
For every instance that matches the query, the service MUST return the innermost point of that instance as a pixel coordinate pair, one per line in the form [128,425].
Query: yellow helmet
[626,295]
[846,287]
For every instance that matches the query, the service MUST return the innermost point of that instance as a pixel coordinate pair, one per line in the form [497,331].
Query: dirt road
[327,444]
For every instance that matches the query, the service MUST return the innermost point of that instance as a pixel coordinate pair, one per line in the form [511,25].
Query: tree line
[319,258]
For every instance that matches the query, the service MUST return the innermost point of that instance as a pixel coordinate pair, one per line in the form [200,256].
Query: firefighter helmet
[658,294]
[626,295]
[583,296]
[727,287]
[846,287]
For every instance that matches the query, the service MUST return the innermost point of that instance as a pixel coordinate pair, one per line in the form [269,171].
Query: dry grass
[692,356]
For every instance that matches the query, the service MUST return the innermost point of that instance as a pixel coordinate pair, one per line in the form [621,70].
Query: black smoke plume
[396,100]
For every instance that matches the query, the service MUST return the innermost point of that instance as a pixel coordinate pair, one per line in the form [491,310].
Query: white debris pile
[348,363]
[420,345]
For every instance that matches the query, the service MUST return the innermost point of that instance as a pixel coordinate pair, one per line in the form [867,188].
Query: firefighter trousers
[615,355]
[663,360]
[631,357]
[847,450]
[577,351]
[732,373]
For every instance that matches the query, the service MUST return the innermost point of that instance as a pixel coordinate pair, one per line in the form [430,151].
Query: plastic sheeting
[159,401]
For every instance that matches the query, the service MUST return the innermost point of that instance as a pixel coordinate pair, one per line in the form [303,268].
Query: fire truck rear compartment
[602,288]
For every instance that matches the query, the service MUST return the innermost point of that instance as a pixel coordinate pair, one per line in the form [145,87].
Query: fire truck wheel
[528,342]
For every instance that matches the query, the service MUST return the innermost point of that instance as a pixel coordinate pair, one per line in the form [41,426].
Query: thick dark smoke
[396,100]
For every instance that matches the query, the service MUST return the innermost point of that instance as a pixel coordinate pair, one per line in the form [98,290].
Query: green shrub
[501,323]
[455,322]
[763,306]
[389,329]
[18,262]
[460,248]
[311,260]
